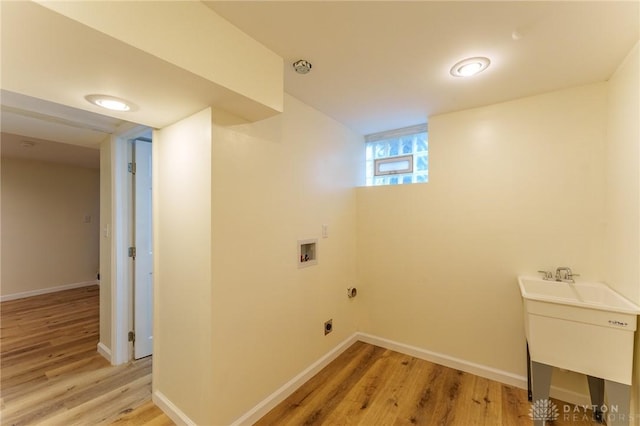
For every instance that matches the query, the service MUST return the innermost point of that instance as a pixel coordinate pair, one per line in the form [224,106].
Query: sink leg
[619,410]
[529,392]
[596,390]
[542,409]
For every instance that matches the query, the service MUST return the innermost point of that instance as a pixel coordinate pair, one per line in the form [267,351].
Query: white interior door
[143,275]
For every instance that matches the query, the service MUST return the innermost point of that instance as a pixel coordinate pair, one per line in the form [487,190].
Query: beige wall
[228,214]
[106,222]
[45,242]
[622,254]
[622,235]
[182,360]
[514,187]
[276,182]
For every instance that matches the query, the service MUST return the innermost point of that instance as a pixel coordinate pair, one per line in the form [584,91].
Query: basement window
[397,156]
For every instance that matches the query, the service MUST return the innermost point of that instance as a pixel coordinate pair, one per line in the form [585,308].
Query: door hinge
[132,168]
[132,252]
[132,336]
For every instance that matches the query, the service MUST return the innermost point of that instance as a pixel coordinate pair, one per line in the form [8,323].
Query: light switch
[325,231]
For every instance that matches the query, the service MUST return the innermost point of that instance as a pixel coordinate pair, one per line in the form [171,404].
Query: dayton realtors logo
[544,409]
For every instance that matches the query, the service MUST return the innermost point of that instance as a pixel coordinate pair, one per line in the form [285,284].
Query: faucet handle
[546,275]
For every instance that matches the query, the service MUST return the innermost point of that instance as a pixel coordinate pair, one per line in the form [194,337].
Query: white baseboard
[104,351]
[171,410]
[38,292]
[292,385]
[473,368]
[570,396]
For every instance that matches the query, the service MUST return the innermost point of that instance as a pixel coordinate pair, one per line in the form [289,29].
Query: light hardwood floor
[51,373]
[369,385]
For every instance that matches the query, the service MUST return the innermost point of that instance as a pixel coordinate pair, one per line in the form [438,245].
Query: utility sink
[591,295]
[585,327]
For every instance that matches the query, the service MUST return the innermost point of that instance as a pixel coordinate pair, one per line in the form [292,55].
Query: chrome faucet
[547,275]
[564,274]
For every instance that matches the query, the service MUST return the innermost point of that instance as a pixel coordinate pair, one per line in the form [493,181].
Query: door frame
[136,264]
[121,264]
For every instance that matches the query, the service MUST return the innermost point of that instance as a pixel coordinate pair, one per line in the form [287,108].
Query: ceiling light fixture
[110,102]
[302,66]
[470,66]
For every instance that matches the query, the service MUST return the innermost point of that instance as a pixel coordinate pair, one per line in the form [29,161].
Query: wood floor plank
[51,373]
[394,393]
[364,392]
[101,409]
[388,388]
[515,407]
[92,363]
[332,395]
[480,402]
[311,394]
[53,394]
[147,413]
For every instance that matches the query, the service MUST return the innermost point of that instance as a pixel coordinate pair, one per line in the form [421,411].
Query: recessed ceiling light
[470,66]
[110,102]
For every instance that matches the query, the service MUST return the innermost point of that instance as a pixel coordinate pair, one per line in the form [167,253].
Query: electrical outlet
[328,327]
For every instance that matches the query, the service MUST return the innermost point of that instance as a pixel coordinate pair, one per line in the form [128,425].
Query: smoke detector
[302,66]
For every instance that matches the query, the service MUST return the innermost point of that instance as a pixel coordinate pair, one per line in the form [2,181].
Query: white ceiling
[377,65]
[36,149]
[40,119]
[45,131]
[380,65]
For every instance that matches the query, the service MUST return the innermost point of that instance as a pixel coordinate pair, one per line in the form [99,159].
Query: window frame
[398,158]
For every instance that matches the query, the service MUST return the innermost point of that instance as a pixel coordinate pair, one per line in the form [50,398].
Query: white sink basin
[582,294]
[585,327]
